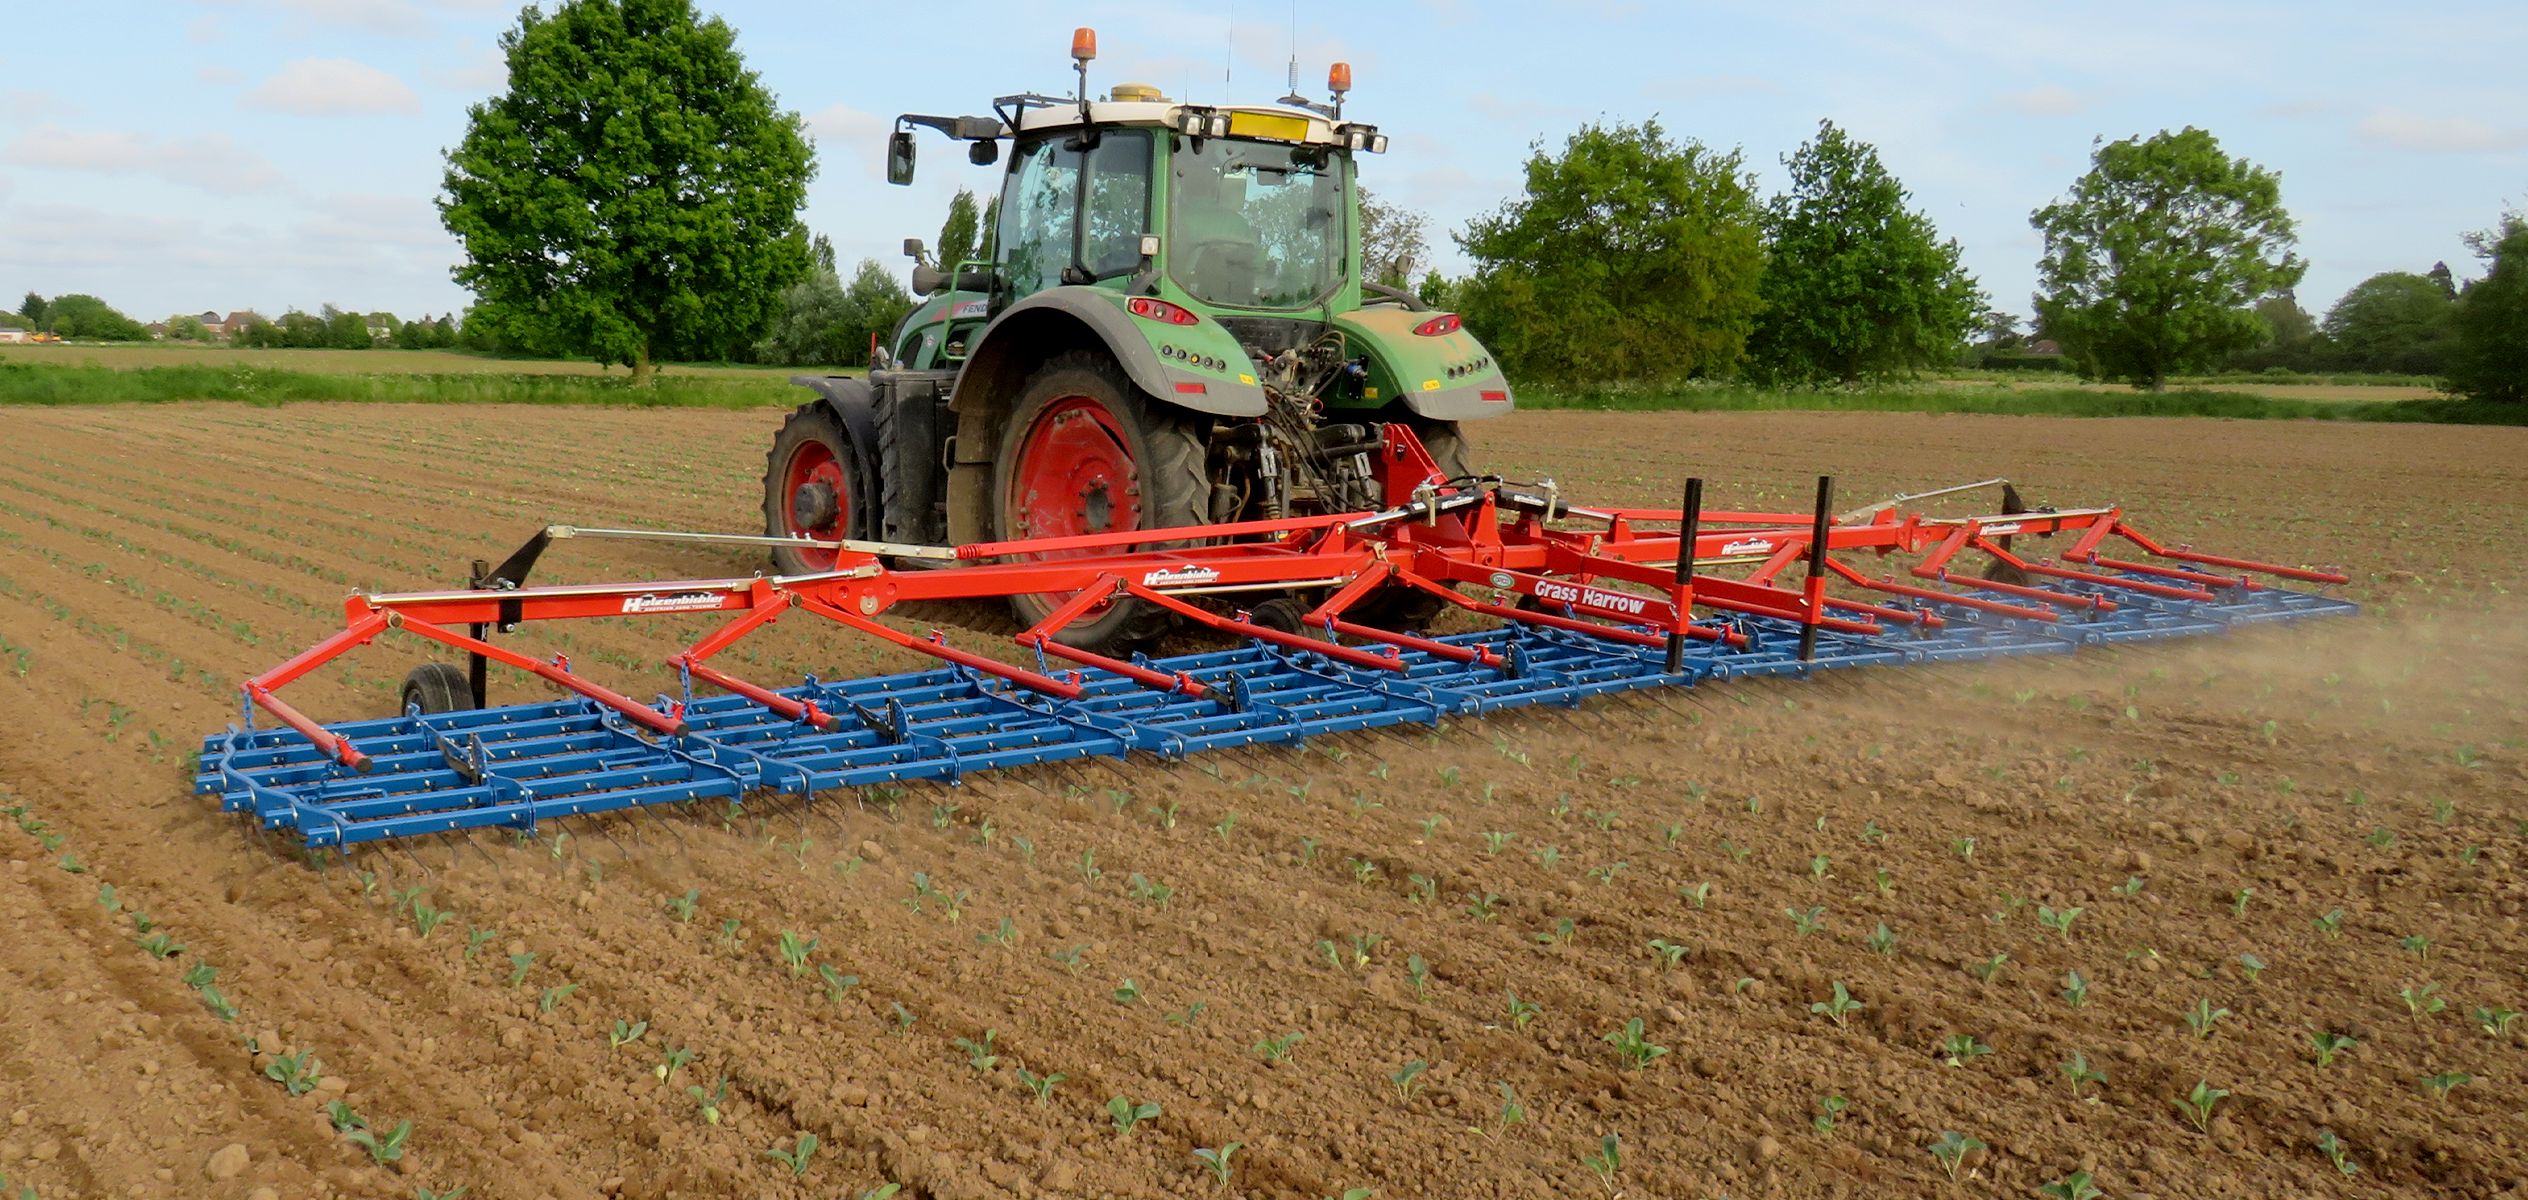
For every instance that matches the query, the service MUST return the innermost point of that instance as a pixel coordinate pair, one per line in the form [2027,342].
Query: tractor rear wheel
[1410,609]
[808,488]
[1087,452]
[437,688]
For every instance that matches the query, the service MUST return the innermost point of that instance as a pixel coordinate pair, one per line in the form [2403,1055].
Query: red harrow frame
[1603,603]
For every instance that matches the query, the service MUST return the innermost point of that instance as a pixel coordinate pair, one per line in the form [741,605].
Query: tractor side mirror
[984,153]
[900,157]
[913,249]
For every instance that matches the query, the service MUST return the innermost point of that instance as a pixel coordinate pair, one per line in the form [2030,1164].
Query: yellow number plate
[1268,125]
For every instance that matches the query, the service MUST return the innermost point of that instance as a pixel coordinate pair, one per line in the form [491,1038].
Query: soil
[2194,804]
[381,361]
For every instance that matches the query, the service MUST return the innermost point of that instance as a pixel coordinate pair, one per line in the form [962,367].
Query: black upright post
[1686,535]
[1817,568]
[477,668]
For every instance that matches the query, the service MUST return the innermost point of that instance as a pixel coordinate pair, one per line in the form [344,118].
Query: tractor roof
[1170,113]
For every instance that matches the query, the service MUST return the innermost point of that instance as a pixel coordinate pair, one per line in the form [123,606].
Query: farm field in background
[2297,830]
[124,357]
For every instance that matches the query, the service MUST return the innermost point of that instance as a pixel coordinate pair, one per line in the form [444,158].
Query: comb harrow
[1579,602]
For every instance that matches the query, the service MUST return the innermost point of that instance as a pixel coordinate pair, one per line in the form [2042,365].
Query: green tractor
[1167,326]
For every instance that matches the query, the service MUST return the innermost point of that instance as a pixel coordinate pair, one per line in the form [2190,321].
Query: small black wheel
[1282,614]
[438,688]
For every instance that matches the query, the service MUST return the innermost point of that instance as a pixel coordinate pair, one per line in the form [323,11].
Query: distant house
[236,322]
[380,331]
[157,329]
[12,335]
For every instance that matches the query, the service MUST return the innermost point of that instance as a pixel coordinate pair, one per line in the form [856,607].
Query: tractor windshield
[1256,224]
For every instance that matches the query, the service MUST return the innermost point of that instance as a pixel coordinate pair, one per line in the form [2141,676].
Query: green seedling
[1951,1151]
[344,1120]
[1736,853]
[1820,867]
[884,1191]
[160,946]
[1959,1049]
[1430,825]
[2379,837]
[1070,959]
[2333,1148]
[1522,1012]
[625,1033]
[1333,955]
[1088,868]
[903,1019]
[1605,821]
[404,898]
[1408,1079]
[1218,1162]
[2437,1086]
[2496,1021]
[452,1194]
[1512,1112]
[1882,942]
[676,1060]
[382,1149]
[2202,1017]
[2239,899]
[1363,869]
[1606,875]
[2079,1073]
[519,965]
[1607,1162]
[106,898]
[1990,968]
[1697,895]
[2329,1044]
[296,1073]
[2332,924]
[1128,1114]
[1484,907]
[1635,1049]
[2197,1105]
[1963,847]
[71,863]
[200,975]
[1492,842]
[1362,805]
[1548,858]
[2417,945]
[219,1005]
[1308,850]
[141,921]
[682,907]
[797,1157]
[1421,889]
[2075,989]
[2420,1002]
[1041,1085]
[1278,1049]
[1806,923]
[1884,882]
[1006,934]
[1669,834]
[1828,1109]
[1420,973]
[553,996]
[837,985]
[2076,1186]
[1224,826]
[1129,993]
[2059,922]
[1872,835]
[1839,1007]
[1560,936]
[2132,886]
[475,940]
[979,1054]
[2251,966]
[710,1100]
[1364,943]
[1670,954]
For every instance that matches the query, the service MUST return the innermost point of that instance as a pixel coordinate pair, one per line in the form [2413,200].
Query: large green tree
[634,194]
[1630,257]
[1855,284]
[2395,321]
[2490,361]
[2153,262]
[91,319]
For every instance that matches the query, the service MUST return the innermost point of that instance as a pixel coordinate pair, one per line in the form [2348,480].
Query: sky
[194,155]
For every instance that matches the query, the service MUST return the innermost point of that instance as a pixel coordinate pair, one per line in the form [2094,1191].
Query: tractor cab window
[1256,224]
[1052,188]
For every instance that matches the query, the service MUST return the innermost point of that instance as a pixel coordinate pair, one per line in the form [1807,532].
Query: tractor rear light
[1443,323]
[1496,397]
[1192,389]
[1160,310]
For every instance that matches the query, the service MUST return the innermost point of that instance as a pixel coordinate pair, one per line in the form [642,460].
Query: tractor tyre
[1410,609]
[1282,614]
[811,477]
[438,688]
[1447,446]
[1087,452]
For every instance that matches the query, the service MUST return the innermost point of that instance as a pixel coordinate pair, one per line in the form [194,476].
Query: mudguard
[857,408]
[1447,377]
[1198,366]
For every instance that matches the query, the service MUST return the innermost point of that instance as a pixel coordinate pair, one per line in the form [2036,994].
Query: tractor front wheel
[1087,452]
[808,488]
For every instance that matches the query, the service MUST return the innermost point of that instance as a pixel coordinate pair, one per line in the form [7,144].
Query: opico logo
[679,602]
[1589,597]
[1179,577]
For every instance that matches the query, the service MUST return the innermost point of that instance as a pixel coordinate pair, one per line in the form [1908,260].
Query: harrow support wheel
[813,485]
[438,688]
[1087,452]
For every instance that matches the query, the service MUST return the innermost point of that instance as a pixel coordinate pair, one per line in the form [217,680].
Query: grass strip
[2030,402]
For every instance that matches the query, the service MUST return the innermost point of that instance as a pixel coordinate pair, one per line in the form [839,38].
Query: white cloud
[2050,100]
[208,161]
[2402,130]
[218,75]
[394,18]
[359,221]
[1709,85]
[320,86]
[20,105]
[7,185]
[864,132]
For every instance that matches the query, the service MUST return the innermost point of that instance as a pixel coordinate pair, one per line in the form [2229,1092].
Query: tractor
[1167,326]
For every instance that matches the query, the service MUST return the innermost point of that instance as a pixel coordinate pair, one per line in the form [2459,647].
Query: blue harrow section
[512,767]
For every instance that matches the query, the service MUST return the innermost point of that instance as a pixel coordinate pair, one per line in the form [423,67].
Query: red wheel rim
[1074,475]
[813,463]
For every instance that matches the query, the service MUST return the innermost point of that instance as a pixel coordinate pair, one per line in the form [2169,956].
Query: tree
[873,305]
[2395,321]
[811,310]
[1855,284]
[32,308]
[960,237]
[1630,257]
[636,190]
[2490,361]
[1395,241]
[185,327]
[82,316]
[2151,263]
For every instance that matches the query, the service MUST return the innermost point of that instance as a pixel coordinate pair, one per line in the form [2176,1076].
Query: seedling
[2496,1021]
[625,1033]
[1482,908]
[2328,1044]
[2251,966]
[797,1157]
[1959,1049]
[1883,941]
[1218,1161]
[553,996]
[1606,874]
[1828,1108]
[979,1054]
[2333,1148]
[2132,886]
[2076,1186]
[837,984]
[1041,1085]
[1670,954]
[296,1073]
[1363,869]
[2197,1104]
[2379,837]
[729,937]
[2239,899]
[1736,853]
[1088,868]
[1129,993]
[1559,936]
[1963,847]
[386,1149]
[1070,959]
[2079,1073]
[1143,890]
[1362,805]
[1363,943]
[1493,841]
[1669,833]
[1990,968]
[1420,972]
[1820,867]
[2332,924]
[2059,922]
[1638,1051]
[1004,935]
[160,946]
[475,940]
[1884,882]
[2417,945]
[1951,1151]
[1278,1049]
[682,907]
[519,965]
[1872,835]
[2202,1017]
[343,1118]
[219,1005]
[1308,851]
[2437,1086]
[711,1100]
[1607,1162]
[2419,1001]
[1224,825]
[903,1019]
[200,975]
[1421,889]
[1549,857]
[1806,923]
[1522,1012]
[1128,1114]
[676,1060]
[1408,1079]
[2075,989]
[1839,1007]
[404,898]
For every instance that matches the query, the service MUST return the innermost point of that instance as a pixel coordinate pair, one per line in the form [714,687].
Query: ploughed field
[2158,866]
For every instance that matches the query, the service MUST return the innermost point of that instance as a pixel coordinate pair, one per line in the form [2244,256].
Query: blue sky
[222,154]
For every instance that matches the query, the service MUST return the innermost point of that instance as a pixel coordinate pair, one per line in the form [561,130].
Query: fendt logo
[679,602]
[1564,593]
[1179,577]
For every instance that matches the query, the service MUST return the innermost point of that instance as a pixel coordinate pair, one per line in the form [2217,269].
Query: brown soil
[150,558]
[123,357]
